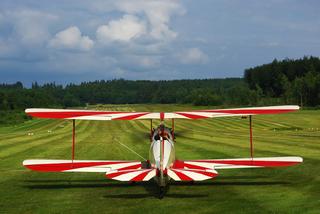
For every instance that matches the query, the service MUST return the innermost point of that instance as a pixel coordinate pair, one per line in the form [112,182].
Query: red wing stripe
[161,115]
[141,176]
[182,164]
[69,114]
[250,111]
[137,166]
[58,167]
[192,115]
[131,116]
[191,166]
[209,174]
[118,173]
[182,176]
[252,162]
[178,164]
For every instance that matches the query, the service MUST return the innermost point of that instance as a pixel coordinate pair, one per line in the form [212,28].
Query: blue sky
[76,40]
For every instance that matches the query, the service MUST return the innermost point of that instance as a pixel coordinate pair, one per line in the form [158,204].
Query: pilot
[157,136]
[165,134]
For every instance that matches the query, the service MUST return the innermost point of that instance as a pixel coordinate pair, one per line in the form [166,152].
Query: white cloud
[24,33]
[71,38]
[6,49]
[142,61]
[149,62]
[153,22]
[137,34]
[157,12]
[30,26]
[125,29]
[1,18]
[192,56]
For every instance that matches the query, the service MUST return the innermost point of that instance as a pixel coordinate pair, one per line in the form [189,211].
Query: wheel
[161,192]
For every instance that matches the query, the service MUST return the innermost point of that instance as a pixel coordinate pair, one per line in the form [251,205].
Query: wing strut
[172,133]
[151,131]
[73,138]
[251,141]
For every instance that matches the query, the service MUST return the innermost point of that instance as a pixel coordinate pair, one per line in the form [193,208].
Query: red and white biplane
[162,164]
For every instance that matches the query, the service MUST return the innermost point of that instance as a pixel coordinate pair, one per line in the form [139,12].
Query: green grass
[293,189]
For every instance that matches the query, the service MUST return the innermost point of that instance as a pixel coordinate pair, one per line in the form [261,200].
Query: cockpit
[162,147]
[163,132]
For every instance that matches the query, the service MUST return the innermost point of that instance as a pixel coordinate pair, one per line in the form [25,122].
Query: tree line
[230,91]
[291,81]
[280,82]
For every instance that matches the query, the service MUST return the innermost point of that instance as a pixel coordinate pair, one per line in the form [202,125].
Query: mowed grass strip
[279,190]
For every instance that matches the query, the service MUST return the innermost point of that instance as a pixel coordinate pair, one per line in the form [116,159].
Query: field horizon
[273,190]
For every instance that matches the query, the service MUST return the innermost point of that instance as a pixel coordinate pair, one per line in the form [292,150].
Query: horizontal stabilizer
[237,163]
[191,174]
[80,165]
[132,174]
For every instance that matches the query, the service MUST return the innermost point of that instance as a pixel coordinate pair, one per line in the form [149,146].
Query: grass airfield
[293,189]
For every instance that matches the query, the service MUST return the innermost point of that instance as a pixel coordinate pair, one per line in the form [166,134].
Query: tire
[161,192]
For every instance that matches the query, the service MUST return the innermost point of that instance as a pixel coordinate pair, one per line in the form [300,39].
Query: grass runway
[293,189]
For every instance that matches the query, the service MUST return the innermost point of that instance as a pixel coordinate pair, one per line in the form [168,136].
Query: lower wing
[205,169]
[118,170]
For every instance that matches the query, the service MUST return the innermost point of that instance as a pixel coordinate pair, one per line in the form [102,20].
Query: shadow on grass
[224,177]
[37,184]
[231,183]
[168,195]
[66,180]
[153,192]
[151,187]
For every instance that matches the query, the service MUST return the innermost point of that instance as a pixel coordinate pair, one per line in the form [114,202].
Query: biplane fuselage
[162,153]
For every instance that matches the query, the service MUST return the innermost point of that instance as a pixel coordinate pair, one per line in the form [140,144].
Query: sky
[80,40]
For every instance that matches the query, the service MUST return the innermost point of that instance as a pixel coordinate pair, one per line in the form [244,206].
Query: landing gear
[162,191]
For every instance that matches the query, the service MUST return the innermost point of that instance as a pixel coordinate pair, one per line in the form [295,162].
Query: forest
[280,82]
[294,81]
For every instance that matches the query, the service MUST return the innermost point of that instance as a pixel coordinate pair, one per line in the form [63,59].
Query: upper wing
[200,114]
[86,114]
[121,115]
